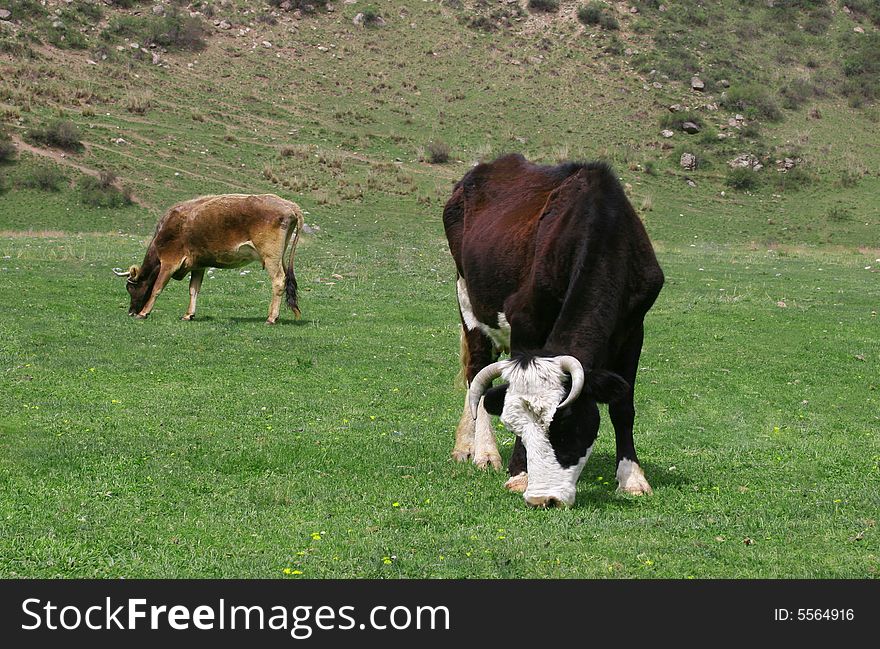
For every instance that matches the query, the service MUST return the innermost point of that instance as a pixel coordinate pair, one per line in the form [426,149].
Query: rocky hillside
[750,120]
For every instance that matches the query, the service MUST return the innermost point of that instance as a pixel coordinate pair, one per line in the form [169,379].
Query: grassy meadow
[320,448]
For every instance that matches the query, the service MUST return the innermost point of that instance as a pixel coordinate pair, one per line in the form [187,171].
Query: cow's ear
[493,402]
[606,386]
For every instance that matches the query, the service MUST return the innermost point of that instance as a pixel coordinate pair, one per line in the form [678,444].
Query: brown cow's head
[139,284]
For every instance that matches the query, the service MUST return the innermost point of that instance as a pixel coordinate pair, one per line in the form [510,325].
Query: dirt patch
[32,234]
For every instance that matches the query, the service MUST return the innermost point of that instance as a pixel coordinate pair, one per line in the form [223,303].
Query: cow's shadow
[597,486]
[598,483]
[282,322]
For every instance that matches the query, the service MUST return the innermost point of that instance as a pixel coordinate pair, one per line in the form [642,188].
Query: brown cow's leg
[165,273]
[276,274]
[195,283]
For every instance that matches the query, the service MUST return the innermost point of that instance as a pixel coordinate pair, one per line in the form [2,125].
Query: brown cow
[225,231]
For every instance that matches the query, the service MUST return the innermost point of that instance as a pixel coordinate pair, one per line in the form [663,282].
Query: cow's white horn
[121,273]
[573,366]
[481,383]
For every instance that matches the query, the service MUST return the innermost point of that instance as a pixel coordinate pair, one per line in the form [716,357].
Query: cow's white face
[534,391]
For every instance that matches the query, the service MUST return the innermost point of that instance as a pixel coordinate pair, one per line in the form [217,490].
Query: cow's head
[139,284]
[550,403]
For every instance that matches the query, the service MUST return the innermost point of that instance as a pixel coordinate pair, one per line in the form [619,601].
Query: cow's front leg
[162,279]
[195,284]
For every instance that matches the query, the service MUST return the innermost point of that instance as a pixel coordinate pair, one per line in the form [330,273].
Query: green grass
[224,448]
[219,448]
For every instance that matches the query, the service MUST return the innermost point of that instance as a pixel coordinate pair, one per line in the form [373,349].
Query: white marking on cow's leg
[518,483]
[464,305]
[195,284]
[485,448]
[464,435]
[631,478]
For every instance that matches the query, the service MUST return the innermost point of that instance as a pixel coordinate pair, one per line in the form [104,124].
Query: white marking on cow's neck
[500,335]
[547,478]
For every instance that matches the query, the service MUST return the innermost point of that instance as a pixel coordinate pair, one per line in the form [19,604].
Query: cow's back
[493,215]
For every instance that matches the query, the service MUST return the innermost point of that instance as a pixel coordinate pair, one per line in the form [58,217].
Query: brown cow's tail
[290,286]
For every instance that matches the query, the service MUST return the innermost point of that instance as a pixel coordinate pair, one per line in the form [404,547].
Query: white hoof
[631,479]
[483,460]
[461,455]
[518,483]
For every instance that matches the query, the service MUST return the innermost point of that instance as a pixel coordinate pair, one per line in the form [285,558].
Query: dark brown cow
[555,267]
[225,231]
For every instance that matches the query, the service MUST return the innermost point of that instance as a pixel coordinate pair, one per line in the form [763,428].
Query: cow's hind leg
[476,438]
[276,274]
[630,477]
[195,284]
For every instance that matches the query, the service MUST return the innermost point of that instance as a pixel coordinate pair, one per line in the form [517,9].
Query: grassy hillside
[331,114]
[321,448]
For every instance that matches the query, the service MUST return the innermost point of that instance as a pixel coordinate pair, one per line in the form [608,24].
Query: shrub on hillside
[754,100]
[61,134]
[65,36]
[139,103]
[103,192]
[47,179]
[438,152]
[174,30]
[548,6]
[305,6]
[25,9]
[590,14]
[861,65]
[7,149]
[595,13]
[794,179]
[743,178]
[795,93]
[869,8]
[372,17]
[674,121]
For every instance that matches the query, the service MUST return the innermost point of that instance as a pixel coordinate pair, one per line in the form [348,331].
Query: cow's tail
[465,356]
[290,286]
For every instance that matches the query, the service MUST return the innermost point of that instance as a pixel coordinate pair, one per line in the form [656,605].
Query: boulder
[746,161]
[690,127]
[697,84]
[688,161]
